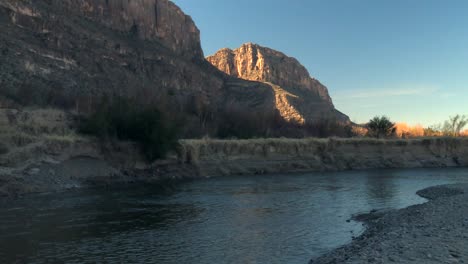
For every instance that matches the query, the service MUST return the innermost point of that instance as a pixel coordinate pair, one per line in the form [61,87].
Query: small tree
[380,127]
[454,126]
[432,131]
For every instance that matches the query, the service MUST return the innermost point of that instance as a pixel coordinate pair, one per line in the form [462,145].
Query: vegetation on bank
[126,120]
[157,134]
[157,131]
[236,122]
[451,128]
[382,127]
[157,127]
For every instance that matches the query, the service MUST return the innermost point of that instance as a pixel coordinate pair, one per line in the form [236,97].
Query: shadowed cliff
[76,54]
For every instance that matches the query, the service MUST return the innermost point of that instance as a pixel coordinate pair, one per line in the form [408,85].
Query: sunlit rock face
[257,63]
[299,97]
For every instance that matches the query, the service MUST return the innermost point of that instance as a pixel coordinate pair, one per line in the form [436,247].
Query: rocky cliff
[159,20]
[73,53]
[299,97]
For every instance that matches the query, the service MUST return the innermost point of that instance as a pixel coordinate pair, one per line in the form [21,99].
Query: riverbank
[434,232]
[85,172]
[263,156]
[41,151]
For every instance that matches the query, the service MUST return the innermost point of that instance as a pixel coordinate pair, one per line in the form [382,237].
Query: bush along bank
[123,119]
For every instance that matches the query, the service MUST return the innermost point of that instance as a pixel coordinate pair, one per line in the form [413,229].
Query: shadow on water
[246,219]
[85,214]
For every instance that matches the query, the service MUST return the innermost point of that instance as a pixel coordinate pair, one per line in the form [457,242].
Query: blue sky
[407,59]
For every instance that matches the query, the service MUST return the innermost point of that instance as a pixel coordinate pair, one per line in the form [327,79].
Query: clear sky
[407,59]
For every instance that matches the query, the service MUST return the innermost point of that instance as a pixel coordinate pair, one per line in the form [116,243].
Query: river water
[243,219]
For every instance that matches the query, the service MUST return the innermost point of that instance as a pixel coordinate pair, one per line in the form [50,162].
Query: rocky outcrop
[71,54]
[259,156]
[256,63]
[299,98]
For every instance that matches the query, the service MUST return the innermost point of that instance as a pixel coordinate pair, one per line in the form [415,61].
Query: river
[243,219]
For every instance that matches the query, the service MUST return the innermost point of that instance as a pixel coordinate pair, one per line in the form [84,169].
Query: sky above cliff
[405,59]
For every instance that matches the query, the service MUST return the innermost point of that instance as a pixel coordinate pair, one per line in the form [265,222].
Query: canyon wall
[159,20]
[72,54]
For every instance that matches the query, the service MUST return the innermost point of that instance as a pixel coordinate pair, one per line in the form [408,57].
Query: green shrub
[381,127]
[125,120]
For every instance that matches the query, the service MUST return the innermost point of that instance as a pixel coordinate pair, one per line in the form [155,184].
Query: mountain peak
[299,97]
[257,63]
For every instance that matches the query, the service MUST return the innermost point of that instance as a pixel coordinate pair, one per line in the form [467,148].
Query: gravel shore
[434,232]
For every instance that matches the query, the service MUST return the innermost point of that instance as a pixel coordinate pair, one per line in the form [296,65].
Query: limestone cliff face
[148,19]
[299,97]
[159,20]
[257,63]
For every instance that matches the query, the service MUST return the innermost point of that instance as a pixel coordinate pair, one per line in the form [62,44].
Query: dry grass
[192,150]
[205,141]
[404,130]
[19,130]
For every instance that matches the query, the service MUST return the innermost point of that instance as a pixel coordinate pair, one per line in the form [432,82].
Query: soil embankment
[259,156]
[41,151]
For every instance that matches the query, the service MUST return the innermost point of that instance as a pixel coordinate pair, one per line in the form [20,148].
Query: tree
[381,127]
[454,126]
[124,119]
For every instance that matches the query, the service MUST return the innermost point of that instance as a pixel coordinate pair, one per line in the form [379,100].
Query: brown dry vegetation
[403,130]
[27,134]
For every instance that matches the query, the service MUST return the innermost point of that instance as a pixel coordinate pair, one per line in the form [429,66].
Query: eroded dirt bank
[41,151]
[434,232]
[259,156]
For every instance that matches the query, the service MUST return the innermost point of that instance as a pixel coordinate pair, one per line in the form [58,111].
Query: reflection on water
[255,219]
[382,188]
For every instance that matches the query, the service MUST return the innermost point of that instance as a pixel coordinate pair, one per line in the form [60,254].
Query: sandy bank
[434,232]
[259,156]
